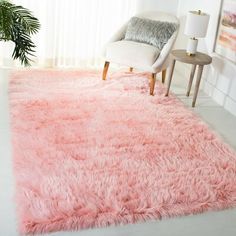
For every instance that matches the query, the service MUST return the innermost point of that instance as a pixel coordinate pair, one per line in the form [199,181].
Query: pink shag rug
[91,153]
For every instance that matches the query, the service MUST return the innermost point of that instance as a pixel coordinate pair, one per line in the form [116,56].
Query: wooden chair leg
[131,69]
[105,69]
[152,84]
[163,76]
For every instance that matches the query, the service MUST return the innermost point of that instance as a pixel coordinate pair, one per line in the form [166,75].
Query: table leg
[191,79]
[199,76]
[170,77]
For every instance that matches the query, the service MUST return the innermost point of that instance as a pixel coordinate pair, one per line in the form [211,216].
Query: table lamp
[196,27]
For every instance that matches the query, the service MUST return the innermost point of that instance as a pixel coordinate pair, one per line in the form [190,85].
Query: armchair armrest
[162,60]
[119,35]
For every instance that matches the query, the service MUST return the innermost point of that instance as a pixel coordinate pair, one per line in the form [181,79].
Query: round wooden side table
[200,60]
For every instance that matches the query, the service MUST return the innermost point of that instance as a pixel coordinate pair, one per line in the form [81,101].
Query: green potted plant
[17,24]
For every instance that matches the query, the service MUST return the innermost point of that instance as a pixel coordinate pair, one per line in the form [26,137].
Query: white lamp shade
[196,24]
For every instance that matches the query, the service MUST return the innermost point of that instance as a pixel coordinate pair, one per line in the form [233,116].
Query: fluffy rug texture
[91,153]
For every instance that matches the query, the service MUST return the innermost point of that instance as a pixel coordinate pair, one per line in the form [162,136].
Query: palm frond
[6,21]
[26,19]
[17,24]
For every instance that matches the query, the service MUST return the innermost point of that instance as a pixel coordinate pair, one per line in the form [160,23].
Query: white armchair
[139,55]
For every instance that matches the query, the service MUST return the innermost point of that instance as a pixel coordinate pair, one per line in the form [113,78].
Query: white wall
[170,6]
[220,77]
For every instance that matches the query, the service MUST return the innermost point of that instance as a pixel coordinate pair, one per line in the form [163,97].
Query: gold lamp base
[190,54]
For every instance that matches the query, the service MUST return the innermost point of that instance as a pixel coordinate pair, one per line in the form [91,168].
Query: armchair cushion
[134,54]
[155,33]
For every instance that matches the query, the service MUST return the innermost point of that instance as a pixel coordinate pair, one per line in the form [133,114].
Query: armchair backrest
[159,16]
[152,15]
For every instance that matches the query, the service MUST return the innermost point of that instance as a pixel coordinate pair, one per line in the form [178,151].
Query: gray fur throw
[152,32]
